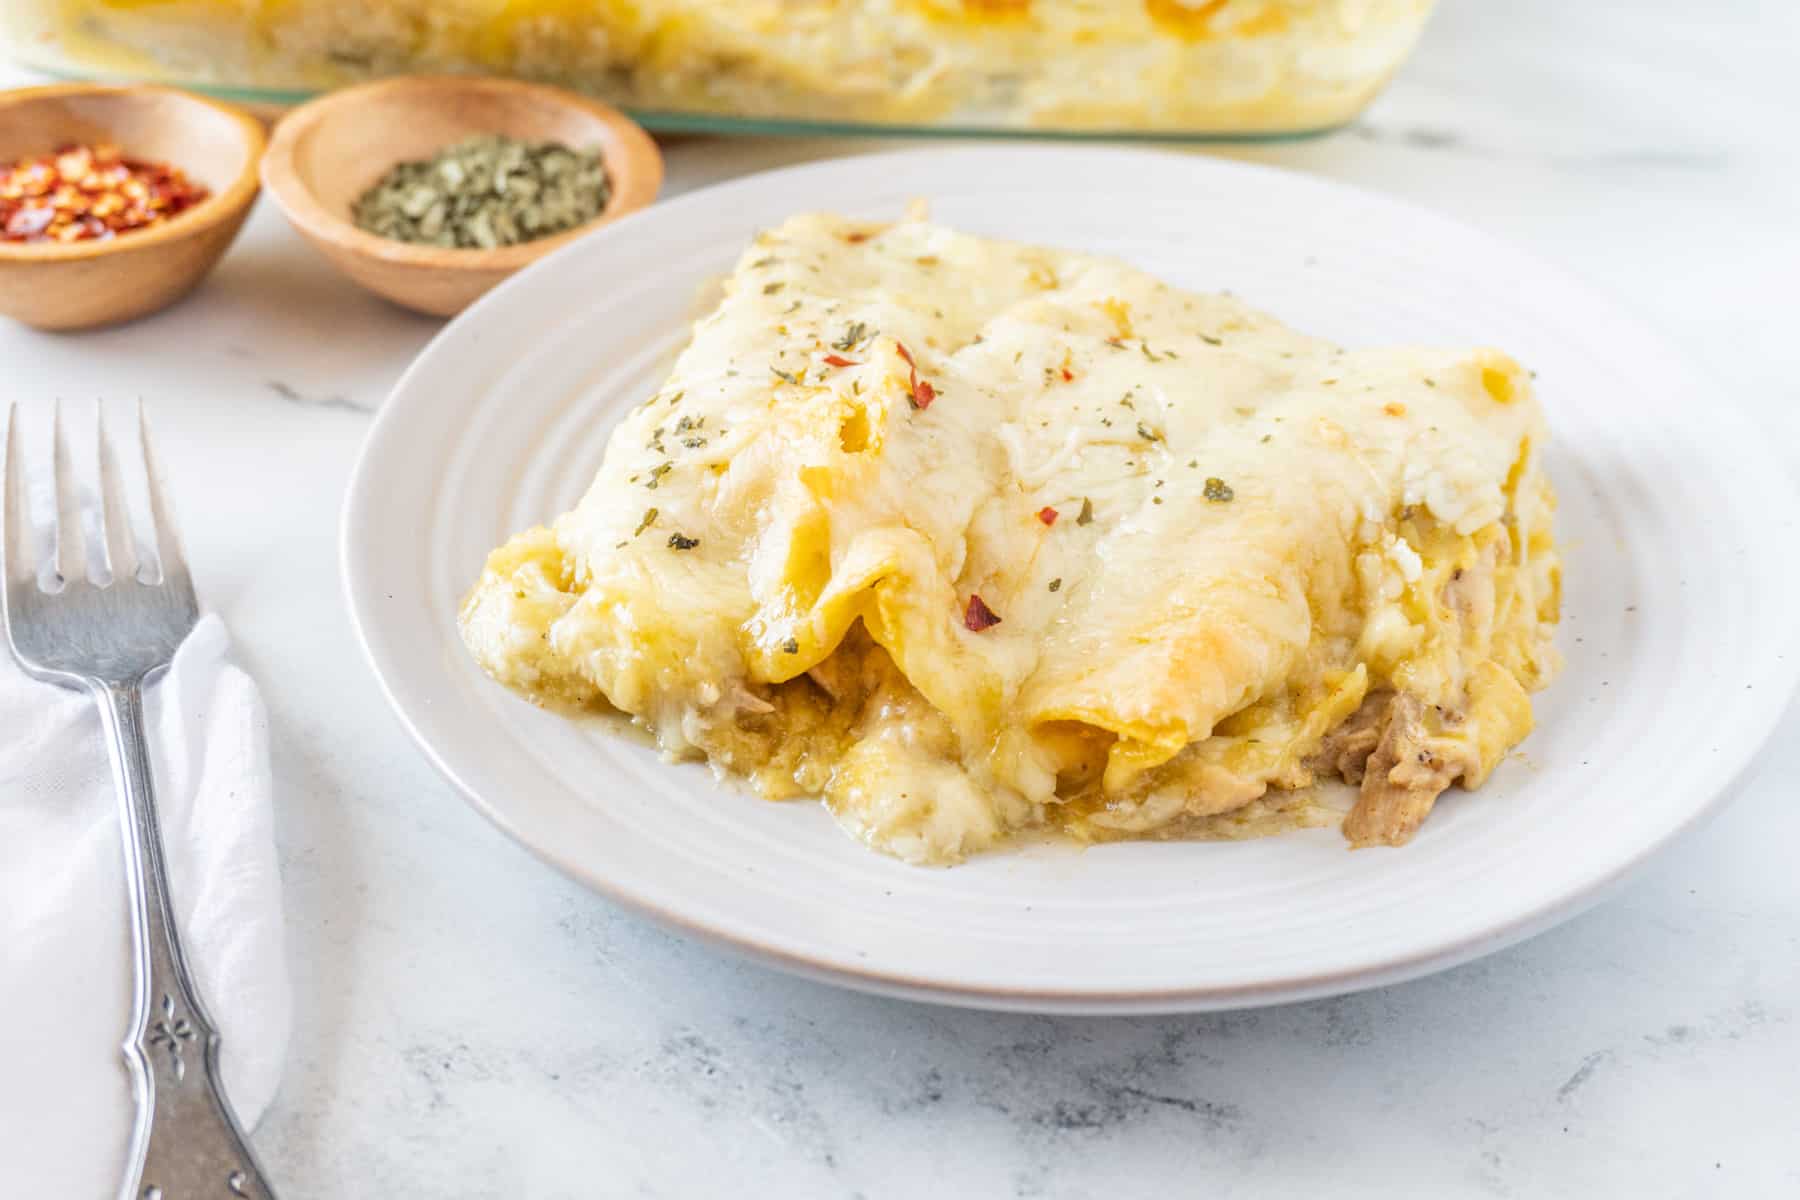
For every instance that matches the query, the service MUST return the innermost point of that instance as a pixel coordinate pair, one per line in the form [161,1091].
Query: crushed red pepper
[84,193]
[1048,515]
[919,392]
[838,360]
[978,616]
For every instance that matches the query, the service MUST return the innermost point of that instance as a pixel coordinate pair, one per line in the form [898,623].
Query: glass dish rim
[674,122]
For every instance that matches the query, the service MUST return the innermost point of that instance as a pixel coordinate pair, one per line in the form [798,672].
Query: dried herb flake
[854,335]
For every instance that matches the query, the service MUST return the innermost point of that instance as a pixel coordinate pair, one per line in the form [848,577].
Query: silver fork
[110,638]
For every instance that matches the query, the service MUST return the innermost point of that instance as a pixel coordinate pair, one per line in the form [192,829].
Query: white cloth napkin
[65,966]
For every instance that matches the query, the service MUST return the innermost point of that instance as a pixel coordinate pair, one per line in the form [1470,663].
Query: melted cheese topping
[1178,65]
[1224,557]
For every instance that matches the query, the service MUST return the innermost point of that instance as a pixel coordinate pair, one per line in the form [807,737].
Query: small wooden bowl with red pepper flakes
[116,201]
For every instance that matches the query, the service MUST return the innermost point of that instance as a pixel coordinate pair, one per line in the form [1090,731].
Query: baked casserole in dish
[1166,67]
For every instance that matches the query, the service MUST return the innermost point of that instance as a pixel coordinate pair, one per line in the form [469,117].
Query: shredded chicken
[1346,749]
[1401,779]
[1385,747]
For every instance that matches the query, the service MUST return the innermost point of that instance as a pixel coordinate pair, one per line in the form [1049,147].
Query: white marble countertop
[471,1024]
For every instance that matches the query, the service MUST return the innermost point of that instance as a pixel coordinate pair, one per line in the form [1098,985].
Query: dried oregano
[486,191]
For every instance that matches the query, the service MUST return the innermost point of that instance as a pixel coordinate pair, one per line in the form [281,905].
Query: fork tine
[66,542]
[115,518]
[15,548]
[169,556]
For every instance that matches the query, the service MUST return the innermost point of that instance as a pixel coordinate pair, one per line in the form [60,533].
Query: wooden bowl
[327,153]
[76,285]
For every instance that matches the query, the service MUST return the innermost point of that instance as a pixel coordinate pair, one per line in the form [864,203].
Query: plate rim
[1747,747]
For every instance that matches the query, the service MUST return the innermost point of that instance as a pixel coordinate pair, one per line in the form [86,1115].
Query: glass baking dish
[1160,68]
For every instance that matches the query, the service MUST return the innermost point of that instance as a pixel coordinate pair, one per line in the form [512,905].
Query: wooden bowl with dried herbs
[429,190]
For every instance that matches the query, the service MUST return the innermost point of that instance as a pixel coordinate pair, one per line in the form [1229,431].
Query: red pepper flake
[1048,515]
[978,616]
[838,360]
[919,393]
[89,192]
[1068,375]
[25,224]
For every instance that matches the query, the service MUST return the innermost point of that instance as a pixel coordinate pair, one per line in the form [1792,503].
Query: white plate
[1679,628]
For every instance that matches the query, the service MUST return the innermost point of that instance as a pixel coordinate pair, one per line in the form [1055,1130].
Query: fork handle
[184,1140]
